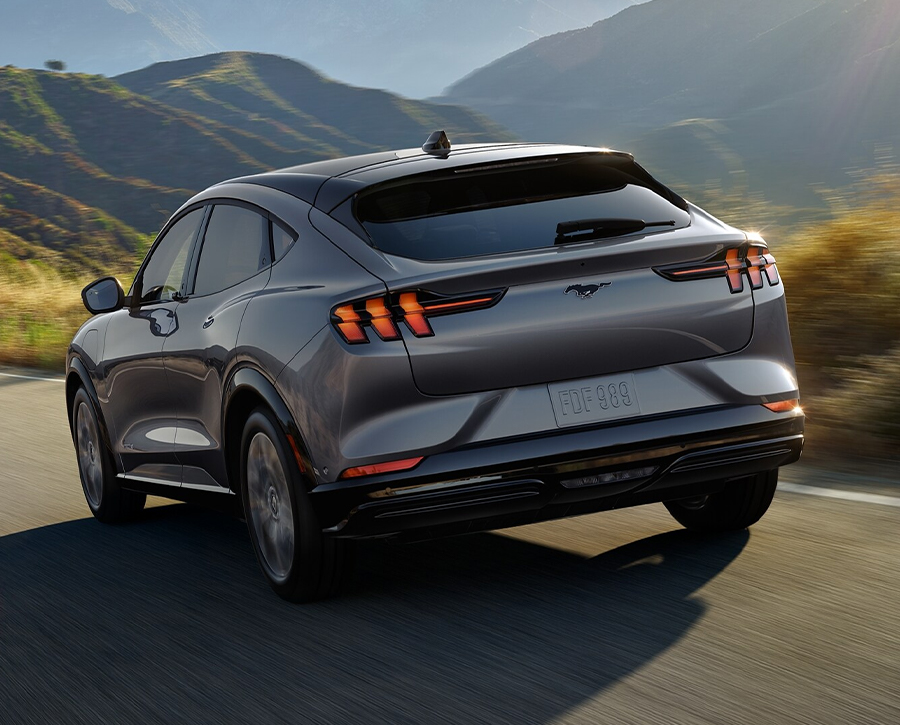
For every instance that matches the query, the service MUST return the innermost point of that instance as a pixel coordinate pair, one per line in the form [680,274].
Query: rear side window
[282,239]
[235,247]
[511,207]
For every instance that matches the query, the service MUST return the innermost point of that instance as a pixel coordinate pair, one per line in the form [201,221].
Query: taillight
[752,260]
[385,313]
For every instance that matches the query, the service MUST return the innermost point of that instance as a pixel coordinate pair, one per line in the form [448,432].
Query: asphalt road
[610,618]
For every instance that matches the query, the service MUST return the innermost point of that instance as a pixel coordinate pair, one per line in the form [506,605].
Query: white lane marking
[33,377]
[874,498]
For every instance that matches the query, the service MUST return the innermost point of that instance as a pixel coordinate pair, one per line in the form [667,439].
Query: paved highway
[611,618]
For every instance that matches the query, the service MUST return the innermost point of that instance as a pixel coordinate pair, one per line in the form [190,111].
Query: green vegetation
[40,309]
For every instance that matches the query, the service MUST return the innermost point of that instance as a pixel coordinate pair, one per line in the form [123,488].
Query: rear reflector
[387,467]
[783,406]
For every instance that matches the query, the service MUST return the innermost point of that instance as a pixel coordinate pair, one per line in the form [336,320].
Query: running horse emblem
[585,291]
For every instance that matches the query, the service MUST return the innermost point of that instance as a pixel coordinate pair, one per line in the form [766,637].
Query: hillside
[297,108]
[413,47]
[793,93]
[129,151]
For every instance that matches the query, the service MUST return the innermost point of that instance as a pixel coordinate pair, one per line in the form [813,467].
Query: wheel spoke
[270,506]
[89,452]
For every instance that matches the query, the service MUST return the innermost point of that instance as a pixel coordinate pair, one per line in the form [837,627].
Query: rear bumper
[564,474]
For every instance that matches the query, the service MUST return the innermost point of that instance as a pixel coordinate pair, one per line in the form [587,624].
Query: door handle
[209,321]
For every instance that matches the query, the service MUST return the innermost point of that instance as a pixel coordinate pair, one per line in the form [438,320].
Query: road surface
[611,618]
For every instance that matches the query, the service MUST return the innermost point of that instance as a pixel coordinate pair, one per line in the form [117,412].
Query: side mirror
[104,295]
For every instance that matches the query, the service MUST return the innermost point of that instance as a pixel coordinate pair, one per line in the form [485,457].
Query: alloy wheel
[89,453]
[270,506]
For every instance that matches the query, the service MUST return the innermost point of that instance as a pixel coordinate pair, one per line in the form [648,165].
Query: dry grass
[843,289]
[40,310]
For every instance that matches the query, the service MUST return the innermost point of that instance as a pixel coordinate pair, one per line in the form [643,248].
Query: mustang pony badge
[585,291]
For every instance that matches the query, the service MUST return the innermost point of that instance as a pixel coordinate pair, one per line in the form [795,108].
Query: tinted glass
[164,270]
[507,208]
[282,239]
[235,247]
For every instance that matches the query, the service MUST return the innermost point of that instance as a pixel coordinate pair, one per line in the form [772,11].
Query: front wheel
[108,501]
[299,561]
[739,504]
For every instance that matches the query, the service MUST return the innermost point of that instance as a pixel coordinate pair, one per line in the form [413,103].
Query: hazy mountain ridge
[416,47]
[129,159]
[798,91]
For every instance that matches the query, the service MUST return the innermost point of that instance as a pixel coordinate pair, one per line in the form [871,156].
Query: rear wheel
[300,562]
[108,501]
[739,504]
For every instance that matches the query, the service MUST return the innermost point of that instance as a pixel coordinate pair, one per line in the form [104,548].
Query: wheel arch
[78,377]
[247,389]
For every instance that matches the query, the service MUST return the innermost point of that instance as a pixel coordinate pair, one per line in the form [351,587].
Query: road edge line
[873,498]
[32,377]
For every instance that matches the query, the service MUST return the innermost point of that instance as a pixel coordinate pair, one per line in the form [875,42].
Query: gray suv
[436,341]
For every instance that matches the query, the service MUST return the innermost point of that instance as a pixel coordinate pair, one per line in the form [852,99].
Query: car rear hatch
[550,270]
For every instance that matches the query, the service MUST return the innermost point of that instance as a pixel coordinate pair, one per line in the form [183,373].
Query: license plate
[594,400]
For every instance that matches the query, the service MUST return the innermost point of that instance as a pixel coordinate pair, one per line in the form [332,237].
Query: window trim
[197,248]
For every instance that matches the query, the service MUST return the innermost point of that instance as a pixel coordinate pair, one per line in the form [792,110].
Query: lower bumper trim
[458,507]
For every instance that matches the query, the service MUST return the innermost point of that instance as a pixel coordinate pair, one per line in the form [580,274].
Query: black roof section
[326,184]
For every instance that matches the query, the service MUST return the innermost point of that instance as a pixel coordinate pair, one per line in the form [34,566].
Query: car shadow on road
[168,620]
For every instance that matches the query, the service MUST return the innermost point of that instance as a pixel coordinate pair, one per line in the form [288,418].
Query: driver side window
[164,270]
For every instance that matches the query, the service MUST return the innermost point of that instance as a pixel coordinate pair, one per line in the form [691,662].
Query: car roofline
[306,180]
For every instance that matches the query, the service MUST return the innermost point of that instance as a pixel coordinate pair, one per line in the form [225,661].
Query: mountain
[124,153]
[296,108]
[793,93]
[415,47]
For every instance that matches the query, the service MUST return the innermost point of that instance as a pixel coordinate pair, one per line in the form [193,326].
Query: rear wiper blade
[584,230]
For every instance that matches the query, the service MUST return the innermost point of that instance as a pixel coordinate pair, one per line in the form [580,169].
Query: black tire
[108,501]
[300,563]
[739,504]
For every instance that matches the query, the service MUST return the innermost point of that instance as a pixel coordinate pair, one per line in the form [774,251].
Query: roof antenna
[437,144]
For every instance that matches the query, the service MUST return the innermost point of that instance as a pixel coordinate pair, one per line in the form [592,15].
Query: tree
[54,65]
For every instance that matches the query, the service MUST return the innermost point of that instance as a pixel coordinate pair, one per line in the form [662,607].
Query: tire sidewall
[739,504]
[108,488]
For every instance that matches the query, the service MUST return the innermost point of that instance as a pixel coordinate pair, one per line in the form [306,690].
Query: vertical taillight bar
[348,324]
[381,319]
[414,314]
[735,265]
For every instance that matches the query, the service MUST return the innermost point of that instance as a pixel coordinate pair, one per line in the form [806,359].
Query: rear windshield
[511,207]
